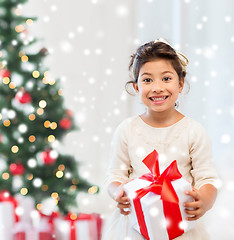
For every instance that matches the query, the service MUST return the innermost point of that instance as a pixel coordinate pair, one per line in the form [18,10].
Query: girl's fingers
[121,205]
[194,194]
[192,205]
[122,211]
[193,212]
[193,218]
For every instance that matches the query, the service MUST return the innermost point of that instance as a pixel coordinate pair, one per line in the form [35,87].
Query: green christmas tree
[32,118]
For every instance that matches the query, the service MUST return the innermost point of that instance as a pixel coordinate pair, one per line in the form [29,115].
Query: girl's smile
[158,99]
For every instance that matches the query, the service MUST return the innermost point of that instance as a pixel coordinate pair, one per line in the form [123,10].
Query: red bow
[50,218]
[161,185]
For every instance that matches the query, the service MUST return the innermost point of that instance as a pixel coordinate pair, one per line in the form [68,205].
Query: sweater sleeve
[203,170]
[119,165]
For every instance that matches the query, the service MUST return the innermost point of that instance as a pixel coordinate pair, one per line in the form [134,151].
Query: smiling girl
[159,73]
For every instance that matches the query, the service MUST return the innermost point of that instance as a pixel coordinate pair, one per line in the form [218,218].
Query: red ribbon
[161,185]
[5,196]
[73,227]
[50,218]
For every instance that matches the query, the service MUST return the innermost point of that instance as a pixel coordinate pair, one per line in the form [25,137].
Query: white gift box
[43,227]
[152,207]
[26,205]
[85,229]
[7,220]
[23,229]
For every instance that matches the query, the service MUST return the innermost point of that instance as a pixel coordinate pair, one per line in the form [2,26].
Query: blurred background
[90,43]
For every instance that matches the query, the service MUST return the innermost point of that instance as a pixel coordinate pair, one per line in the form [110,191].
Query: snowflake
[98,51]
[95,138]
[199,26]
[46,19]
[71,35]
[53,8]
[65,46]
[227,19]
[224,213]
[219,111]
[183,225]
[122,11]
[80,29]
[108,129]
[23,128]
[32,163]
[108,71]
[37,182]
[19,211]
[225,138]
[205,19]
[154,211]
[230,186]
[116,111]
[85,201]
[141,25]
[140,151]
[194,79]
[213,73]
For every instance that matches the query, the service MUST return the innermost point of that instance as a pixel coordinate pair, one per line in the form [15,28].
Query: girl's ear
[135,86]
[181,85]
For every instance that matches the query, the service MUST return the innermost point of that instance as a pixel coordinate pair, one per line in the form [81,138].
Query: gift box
[83,227]
[26,205]
[157,201]
[45,230]
[23,231]
[6,220]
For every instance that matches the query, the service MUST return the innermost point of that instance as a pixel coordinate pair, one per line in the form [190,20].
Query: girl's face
[158,85]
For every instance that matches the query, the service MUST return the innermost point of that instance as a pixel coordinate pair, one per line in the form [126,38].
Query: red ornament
[65,123]
[17,169]
[0,138]
[47,158]
[5,73]
[23,97]
[69,113]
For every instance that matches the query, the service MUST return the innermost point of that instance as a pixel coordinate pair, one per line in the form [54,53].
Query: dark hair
[156,50]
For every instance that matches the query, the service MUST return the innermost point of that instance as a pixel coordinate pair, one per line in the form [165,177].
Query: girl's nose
[157,87]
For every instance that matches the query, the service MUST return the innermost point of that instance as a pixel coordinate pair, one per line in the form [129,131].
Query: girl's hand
[123,202]
[197,208]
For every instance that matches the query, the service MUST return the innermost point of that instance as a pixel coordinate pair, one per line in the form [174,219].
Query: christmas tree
[33,119]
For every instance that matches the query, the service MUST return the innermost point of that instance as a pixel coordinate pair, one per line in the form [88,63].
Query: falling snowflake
[225,138]
[154,211]
[140,151]
[227,19]
[122,11]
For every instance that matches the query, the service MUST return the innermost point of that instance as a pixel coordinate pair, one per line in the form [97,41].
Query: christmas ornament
[65,123]
[48,158]
[44,52]
[17,169]
[23,97]
[69,113]
[4,73]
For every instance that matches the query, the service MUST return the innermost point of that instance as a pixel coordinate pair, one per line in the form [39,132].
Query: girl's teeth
[158,99]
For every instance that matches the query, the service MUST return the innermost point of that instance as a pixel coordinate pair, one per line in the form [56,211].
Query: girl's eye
[147,80]
[166,79]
